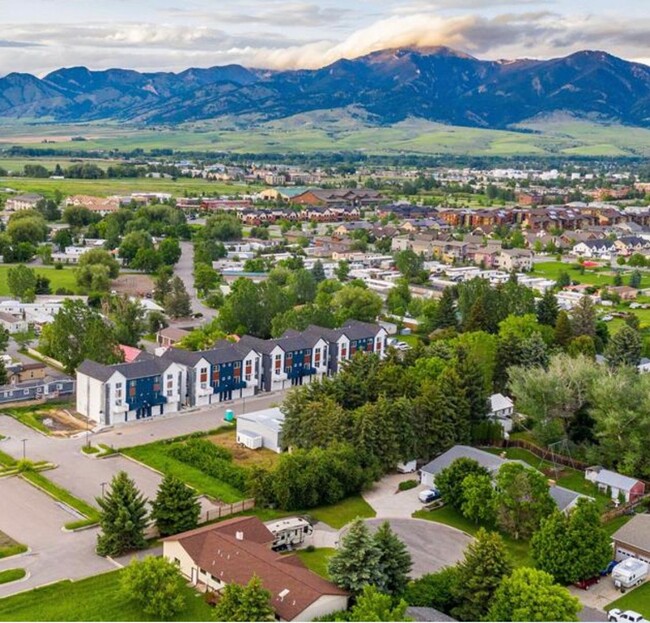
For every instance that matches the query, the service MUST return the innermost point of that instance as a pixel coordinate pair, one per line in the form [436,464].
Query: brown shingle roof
[217,550]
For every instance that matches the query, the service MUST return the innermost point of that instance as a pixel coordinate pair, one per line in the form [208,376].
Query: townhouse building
[177,379]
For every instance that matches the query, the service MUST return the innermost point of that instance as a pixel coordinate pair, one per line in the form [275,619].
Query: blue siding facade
[144,393]
[227,380]
[296,366]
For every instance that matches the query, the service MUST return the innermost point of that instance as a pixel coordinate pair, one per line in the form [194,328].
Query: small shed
[266,424]
[502,409]
[616,484]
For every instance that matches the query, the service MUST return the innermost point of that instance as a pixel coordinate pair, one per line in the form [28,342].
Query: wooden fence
[224,510]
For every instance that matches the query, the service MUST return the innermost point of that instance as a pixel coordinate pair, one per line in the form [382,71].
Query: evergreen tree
[123,518]
[534,352]
[472,380]
[177,302]
[318,272]
[480,573]
[624,349]
[446,311]
[563,329]
[531,595]
[584,317]
[477,319]
[394,560]
[563,280]
[176,507]
[547,309]
[356,562]
[635,279]
[244,603]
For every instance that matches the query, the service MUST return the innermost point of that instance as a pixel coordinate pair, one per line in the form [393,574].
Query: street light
[103,484]
[24,449]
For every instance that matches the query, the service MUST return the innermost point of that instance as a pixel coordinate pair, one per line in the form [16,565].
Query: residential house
[170,336]
[627,245]
[520,260]
[633,539]
[626,293]
[261,429]
[12,323]
[24,372]
[99,205]
[233,551]
[616,485]
[27,201]
[125,392]
[565,499]
[594,249]
[502,409]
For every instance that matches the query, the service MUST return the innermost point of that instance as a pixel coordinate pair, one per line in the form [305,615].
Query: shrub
[407,484]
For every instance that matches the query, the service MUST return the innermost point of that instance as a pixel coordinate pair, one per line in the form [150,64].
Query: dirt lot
[133,284]
[63,423]
[241,455]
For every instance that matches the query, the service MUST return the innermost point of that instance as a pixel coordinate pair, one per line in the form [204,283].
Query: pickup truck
[628,616]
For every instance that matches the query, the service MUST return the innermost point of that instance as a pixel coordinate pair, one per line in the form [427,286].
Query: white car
[628,616]
[429,495]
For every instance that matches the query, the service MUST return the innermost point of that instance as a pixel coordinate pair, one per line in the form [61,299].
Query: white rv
[629,573]
[289,533]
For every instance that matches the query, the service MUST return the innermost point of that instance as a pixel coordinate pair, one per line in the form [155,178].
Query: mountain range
[437,84]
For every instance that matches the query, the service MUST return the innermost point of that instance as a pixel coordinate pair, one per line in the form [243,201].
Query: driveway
[388,502]
[34,519]
[432,545]
[599,595]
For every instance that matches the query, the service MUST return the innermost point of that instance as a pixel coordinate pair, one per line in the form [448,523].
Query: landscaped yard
[341,514]
[637,600]
[11,575]
[155,455]
[596,277]
[317,559]
[94,599]
[519,550]
[64,278]
[9,547]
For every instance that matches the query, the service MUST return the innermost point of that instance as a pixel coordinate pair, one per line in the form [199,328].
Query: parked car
[586,584]
[628,616]
[609,568]
[429,495]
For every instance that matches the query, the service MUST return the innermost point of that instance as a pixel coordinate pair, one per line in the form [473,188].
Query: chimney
[239,535]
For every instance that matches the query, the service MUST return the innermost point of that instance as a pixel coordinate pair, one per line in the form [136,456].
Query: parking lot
[36,520]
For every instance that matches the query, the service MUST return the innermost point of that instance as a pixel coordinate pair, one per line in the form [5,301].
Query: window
[317,357]
[369,347]
[278,363]
[203,375]
[170,392]
[353,348]
[307,359]
[344,351]
[132,390]
[170,377]
[237,365]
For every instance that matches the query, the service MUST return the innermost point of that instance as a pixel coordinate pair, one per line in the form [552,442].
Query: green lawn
[317,559]
[94,599]
[9,547]
[154,455]
[616,523]
[62,495]
[64,278]
[11,575]
[637,600]
[596,277]
[341,514]
[519,550]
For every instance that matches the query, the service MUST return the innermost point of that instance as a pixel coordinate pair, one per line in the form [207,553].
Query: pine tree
[123,518]
[477,319]
[473,383]
[318,272]
[547,309]
[635,279]
[446,311]
[394,560]
[177,302]
[356,562]
[584,318]
[563,329]
[624,349]
[534,352]
[176,507]
[480,573]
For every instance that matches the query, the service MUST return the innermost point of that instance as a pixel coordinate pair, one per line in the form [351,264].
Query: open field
[342,513]
[241,455]
[97,598]
[64,278]
[336,131]
[592,277]
[106,187]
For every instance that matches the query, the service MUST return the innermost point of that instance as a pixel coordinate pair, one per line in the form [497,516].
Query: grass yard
[241,455]
[341,514]
[93,599]
[33,415]
[9,547]
[90,513]
[317,559]
[154,455]
[64,278]
[596,277]
[637,600]
[616,523]
[519,550]
[11,575]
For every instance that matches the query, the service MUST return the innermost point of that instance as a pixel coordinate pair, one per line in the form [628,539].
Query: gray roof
[135,370]
[613,479]
[223,352]
[417,613]
[635,532]
[270,418]
[562,497]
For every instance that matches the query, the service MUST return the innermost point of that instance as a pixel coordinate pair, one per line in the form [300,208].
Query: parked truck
[631,572]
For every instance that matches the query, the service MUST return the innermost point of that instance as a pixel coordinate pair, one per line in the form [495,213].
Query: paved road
[184,269]
[432,545]
[33,518]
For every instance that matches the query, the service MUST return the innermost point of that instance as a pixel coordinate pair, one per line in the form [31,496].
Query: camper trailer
[629,573]
[289,533]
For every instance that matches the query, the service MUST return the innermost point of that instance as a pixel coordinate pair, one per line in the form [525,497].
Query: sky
[37,36]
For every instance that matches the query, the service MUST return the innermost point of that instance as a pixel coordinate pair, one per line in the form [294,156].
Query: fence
[224,510]
[540,453]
